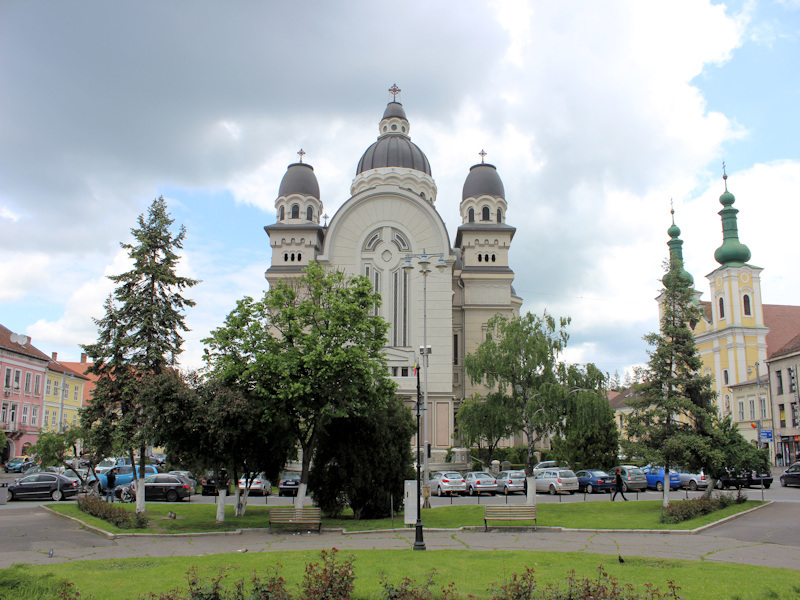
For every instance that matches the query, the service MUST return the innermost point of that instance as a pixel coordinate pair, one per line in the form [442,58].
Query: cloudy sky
[596,116]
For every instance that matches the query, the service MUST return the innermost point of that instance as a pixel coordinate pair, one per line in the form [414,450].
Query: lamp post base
[419,543]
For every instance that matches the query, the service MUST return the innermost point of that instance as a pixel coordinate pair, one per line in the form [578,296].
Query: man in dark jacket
[111,480]
[618,489]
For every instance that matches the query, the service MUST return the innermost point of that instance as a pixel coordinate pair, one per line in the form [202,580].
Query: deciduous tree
[483,422]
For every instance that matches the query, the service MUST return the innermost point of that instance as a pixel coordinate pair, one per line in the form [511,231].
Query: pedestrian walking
[618,487]
[111,479]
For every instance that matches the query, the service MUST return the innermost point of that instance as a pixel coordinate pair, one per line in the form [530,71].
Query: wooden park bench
[512,512]
[289,515]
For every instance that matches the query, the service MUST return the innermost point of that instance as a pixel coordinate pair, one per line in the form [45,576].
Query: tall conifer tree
[140,334]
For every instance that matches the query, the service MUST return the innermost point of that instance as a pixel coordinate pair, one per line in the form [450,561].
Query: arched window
[295,211]
[471,215]
[283,213]
[485,215]
[725,377]
[746,305]
[499,216]
[486,257]
[292,256]
[494,258]
[299,257]
[480,257]
[309,214]
[285,257]
[721,308]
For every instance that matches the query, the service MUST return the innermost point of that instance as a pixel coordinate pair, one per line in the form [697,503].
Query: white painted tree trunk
[665,501]
[301,496]
[531,497]
[241,502]
[223,494]
[141,505]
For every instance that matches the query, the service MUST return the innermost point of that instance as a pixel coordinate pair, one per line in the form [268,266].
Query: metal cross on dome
[482,154]
[394,90]
[301,154]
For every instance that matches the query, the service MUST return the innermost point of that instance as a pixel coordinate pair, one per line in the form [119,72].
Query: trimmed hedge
[116,515]
[677,512]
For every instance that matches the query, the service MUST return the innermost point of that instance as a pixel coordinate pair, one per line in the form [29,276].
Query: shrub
[328,581]
[677,512]
[408,589]
[116,515]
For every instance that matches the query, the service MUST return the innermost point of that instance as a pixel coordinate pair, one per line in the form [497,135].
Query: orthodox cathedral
[390,231]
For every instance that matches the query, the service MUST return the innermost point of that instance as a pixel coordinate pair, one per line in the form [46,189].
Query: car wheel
[589,489]
[471,491]
[552,490]
[172,496]
[10,495]
[766,486]
[693,485]
[659,486]
[56,495]
[439,492]
[783,482]
[624,487]
[571,492]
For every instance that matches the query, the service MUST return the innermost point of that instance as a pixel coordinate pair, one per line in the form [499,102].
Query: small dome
[299,179]
[674,231]
[394,150]
[483,180]
[394,109]
[726,199]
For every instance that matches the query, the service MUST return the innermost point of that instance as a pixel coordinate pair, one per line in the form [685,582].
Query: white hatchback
[259,485]
[556,481]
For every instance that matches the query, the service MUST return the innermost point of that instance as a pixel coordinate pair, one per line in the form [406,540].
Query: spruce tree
[140,334]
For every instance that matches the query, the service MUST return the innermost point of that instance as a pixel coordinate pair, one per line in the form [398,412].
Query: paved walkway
[769,536]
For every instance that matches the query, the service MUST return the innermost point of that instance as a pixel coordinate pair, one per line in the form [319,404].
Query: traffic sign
[766,435]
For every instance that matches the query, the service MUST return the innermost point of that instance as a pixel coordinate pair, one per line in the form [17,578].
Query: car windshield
[599,473]
[515,474]
[452,475]
[635,472]
[566,473]
[481,475]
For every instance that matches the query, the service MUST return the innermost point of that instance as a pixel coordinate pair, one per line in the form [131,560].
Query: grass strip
[198,518]
[473,572]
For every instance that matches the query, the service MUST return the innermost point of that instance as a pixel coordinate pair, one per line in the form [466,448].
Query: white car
[259,484]
[478,482]
[509,482]
[447,482]
[556,481]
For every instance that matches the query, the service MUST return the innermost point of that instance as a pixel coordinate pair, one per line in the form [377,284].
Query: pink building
[23,369]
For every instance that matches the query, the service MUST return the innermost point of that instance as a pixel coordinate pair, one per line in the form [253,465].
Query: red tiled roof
[26,350]
[58,367]
[784,325]
[791,347]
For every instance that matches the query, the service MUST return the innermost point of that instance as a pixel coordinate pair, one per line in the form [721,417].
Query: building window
[17,378]
[283,213]
[8,378]
[782,412]
[12,417]
[725,376]
[27,383]
[75,420]
[75,393]
[494,258]
[485,214]
[37,384]
[455,349]
[746,305]
[47,387]
[752,409]
[299,257]
[741,410]
[309,214]
[471,216]
[56,389]
[778,382]
[404,371]
[400,308]
[792,380]
[24,414]
[721,308]
[46,422]
[499,216]
[763,402]
[34,416]
[295,211]
[4,414]
[480,257]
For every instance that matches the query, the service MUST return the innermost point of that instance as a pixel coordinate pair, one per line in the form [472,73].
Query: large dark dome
[299,179]
[483,180]
[394,150]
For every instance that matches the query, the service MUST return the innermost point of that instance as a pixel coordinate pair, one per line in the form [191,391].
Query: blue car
[655,478]
[590,481]
[123,475]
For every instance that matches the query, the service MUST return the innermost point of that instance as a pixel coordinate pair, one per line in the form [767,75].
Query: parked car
[632,478]
[42,486]
[447,482]
[734,479]
[189,476]
[40,469]
[77,475]
[510,482]
[208,485]
[161,486]
[288,486]
[792,475]
[123,475]
[655,478]
[19,464]
[477,482]
[259,484]
[556,481]
[545,464]
[692,481]
[591,481]
[106,464]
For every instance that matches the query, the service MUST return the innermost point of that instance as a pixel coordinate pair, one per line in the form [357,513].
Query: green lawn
[473,573]
[581,515]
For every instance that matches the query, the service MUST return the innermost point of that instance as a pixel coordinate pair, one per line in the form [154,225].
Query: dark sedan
[288,486]
[791,476]
[164,486]
[41,486]
[590,481]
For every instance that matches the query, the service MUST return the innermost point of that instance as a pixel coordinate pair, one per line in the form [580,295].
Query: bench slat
[516,512]
[289,515]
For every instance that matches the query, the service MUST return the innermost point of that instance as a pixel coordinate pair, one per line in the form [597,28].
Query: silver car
[692,481]
[447,482]
[478,482]
[556,481]
[510,482]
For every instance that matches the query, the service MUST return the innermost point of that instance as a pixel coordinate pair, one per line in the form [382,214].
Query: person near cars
[618,487]
[111,479]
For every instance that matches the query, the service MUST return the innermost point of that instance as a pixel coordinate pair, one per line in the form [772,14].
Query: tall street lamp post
[423,261]
[419,542]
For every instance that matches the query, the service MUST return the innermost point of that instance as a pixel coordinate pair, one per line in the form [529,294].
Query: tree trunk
[223,494]
[241,502]
[307,452]
[665,500]
[712,483]
[141,505]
